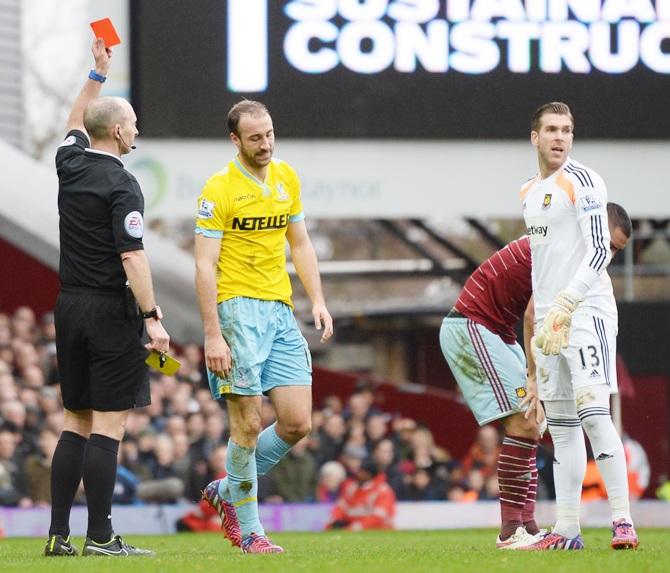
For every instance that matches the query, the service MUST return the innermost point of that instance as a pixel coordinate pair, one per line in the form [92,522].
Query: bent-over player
[479,342]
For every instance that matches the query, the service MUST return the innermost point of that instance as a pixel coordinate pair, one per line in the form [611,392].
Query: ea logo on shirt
[134,224]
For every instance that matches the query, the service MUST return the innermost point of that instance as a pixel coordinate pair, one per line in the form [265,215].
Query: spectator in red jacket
[366,502]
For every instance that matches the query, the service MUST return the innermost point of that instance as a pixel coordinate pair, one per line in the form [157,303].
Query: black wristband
[155,313]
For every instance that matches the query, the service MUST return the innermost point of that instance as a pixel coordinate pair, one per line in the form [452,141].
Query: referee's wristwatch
[156,313]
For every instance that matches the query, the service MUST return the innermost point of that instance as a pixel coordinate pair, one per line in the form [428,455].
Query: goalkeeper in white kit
[565,210]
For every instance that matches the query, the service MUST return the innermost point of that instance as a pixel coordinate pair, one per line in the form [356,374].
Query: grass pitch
[467,551]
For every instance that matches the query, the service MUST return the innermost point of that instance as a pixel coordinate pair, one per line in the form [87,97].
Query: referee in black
[100,322]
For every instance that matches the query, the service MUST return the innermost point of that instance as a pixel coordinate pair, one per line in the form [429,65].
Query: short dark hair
[369,466]
[619,219]
[246,106]
[557,107]
[9,427]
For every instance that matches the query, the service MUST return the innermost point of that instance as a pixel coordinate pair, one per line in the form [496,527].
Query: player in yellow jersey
[253,345]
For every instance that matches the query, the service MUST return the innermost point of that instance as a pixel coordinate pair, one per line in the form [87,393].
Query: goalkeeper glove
[555,330]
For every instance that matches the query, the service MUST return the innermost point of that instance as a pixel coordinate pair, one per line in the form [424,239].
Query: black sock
[65,478]
[99,473]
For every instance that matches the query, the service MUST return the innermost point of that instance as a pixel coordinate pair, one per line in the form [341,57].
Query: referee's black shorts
[100,352]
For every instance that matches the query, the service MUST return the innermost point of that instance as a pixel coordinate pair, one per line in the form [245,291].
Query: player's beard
[252,160]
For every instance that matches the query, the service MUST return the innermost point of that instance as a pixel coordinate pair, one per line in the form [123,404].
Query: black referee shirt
[101,210]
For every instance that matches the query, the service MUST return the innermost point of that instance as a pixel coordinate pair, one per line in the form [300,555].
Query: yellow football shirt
[251,218]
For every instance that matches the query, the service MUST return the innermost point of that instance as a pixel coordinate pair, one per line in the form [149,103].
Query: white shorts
[589,359]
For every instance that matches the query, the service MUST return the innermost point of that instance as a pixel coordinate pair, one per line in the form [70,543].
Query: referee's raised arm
[93,85]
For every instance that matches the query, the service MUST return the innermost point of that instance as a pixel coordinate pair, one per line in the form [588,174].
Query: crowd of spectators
[175,446]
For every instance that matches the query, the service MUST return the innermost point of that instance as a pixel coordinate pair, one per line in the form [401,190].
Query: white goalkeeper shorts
[589,359]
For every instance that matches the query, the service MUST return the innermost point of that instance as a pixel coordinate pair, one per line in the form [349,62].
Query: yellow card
[162,362]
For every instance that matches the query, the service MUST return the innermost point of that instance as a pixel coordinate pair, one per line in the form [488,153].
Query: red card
[105,29]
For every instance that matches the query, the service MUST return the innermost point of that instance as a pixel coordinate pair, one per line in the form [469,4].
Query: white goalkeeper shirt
[566,220]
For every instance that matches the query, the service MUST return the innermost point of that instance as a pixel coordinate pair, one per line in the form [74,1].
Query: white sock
[567,520]
[620,507]
[608,451]
[569,464]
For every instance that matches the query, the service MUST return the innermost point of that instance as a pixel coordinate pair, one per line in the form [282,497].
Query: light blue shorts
[267,347]
[490,373]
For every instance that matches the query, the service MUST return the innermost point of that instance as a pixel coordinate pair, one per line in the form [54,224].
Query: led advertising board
[402,68]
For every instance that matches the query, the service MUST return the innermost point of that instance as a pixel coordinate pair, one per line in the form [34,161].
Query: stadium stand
[175,446]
